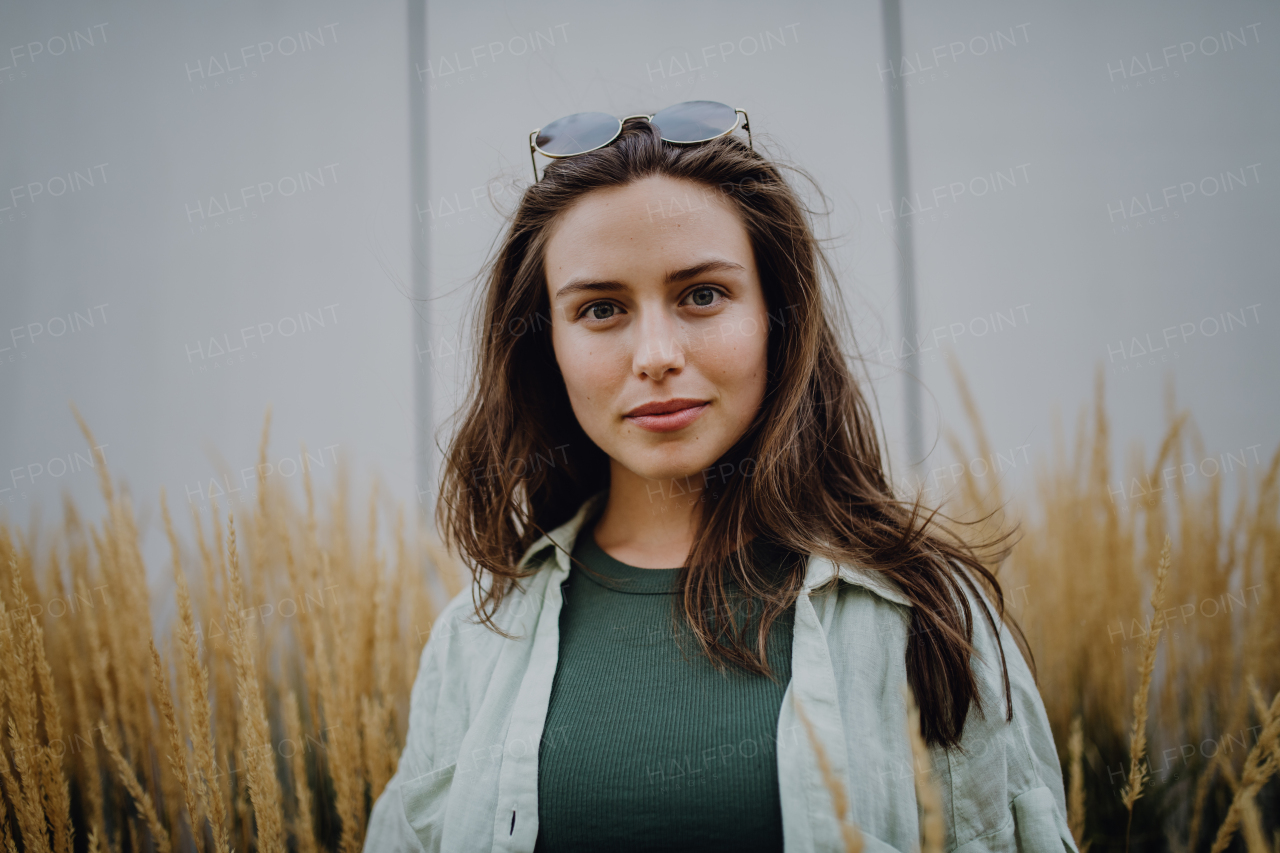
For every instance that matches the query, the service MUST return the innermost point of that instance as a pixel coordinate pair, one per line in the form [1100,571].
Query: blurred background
[206,211]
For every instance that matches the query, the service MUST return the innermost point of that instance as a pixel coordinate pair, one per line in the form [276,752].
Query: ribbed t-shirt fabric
[646,745]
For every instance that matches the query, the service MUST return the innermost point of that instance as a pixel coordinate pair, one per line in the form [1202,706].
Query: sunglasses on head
[681,124]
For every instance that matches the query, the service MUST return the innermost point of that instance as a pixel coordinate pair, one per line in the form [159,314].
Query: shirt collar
[564,536]
[819,572]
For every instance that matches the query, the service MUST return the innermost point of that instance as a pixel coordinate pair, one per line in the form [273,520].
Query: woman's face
[655,297]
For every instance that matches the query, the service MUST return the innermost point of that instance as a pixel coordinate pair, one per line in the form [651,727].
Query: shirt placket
[516,821]
[808,813]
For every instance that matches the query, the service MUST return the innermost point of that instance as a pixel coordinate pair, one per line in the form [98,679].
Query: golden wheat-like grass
[260,771]
[177,755]
[1075,785]
[303,827]
[142,798]
[1259,766]
[293,661]
[1078,583]
[1138,769]
[270,710]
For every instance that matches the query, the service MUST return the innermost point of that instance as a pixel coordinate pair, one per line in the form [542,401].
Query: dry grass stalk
[1091,539]
[349,645]
[5,837]
[143,800]
[933,830]
[1259,765]
[195,687]
[850,835]
[380,752]
[1198,800]
[99,666]
[177,746]
[21,692]
[122,658]
[1251,828]
[217,603]
[1228,772]
[344,755]
[260,771]
[1075,788]
[1138,768]
[303,826]
[30,815]
[24,783]
[56,789]
[97,813]
[192,791]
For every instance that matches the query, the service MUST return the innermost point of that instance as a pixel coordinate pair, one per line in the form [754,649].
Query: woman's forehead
[655,222]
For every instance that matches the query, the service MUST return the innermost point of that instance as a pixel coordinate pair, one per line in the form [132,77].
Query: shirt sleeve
[1007,789]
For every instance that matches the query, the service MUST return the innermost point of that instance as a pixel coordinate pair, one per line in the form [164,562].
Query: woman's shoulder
[996,652]
[859,604]
[517,611]
[1007,743]
[1003,784]
[869,600]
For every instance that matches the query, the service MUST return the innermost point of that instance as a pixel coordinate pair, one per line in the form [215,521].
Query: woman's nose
[658,344]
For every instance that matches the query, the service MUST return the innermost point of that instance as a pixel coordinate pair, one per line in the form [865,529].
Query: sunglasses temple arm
[746,125]
[532,160]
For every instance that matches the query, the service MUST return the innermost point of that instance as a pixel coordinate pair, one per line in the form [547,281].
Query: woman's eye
[703,297]
[699,297]
[597,306]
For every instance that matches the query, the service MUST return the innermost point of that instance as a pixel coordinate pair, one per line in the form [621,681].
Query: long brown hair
[808,473]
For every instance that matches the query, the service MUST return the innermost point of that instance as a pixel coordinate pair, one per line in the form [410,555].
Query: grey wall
[1068,201]
[240,245]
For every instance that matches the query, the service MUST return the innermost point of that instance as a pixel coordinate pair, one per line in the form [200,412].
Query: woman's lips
[669,422]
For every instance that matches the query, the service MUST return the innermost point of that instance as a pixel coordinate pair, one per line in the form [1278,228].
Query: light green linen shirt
[468,777]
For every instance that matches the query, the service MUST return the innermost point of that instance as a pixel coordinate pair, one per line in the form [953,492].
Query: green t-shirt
[646,745]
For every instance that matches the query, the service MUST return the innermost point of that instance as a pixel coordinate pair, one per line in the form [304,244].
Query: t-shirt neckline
[616,575]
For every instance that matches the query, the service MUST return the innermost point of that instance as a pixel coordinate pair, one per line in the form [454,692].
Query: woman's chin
[674,480]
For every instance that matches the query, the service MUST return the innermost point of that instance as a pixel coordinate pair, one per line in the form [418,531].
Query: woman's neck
[649,524]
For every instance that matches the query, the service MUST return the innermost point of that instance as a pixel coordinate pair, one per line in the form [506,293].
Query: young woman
[690,565]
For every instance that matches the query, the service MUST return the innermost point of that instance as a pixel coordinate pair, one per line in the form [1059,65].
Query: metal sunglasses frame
[533,146]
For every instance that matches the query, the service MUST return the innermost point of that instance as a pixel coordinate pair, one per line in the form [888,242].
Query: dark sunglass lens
[577,133]
[695,121]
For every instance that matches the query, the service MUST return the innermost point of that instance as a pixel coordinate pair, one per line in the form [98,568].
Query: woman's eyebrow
[703,268]
[579,285]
